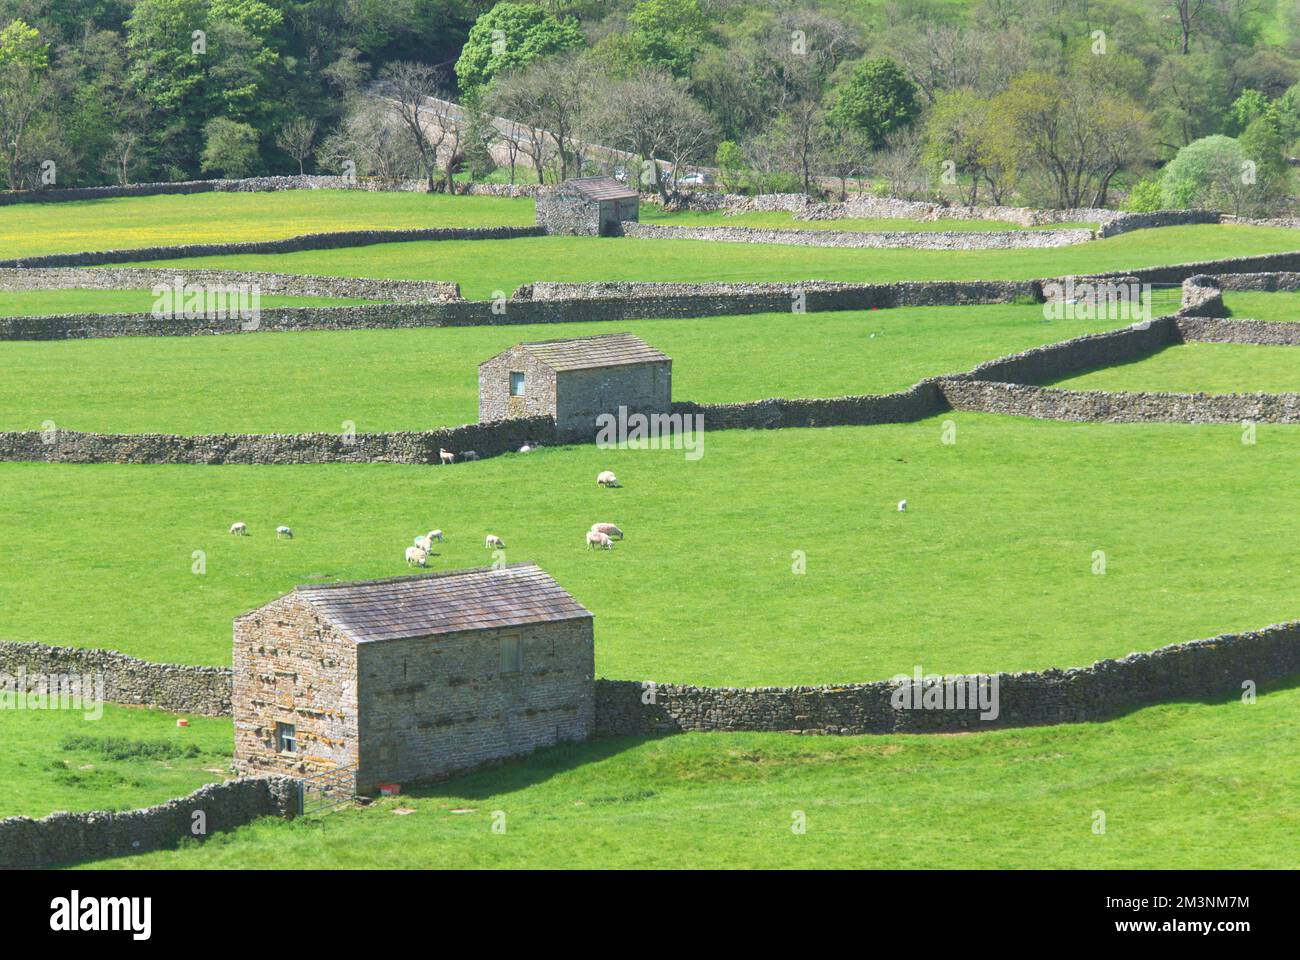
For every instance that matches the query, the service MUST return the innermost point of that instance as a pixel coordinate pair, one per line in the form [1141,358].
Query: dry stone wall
[67,838]
[922,400]
[1218,330]
[1201,669]
[307,241]
[541,303]
[14,280]
[264,185]
[67,446]
[910,240]
[1096,406]
[165,686]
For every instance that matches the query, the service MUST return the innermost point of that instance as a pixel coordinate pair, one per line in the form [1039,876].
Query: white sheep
[606,478]
[608,529]
[423,543]
[283,533]
[416,557]
[493,542]
[446,456]
[902,506]
[435,535]
[469,455]
[598,539]
[239,529]
[527,448]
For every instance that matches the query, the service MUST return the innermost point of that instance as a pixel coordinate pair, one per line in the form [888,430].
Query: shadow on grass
[504,776]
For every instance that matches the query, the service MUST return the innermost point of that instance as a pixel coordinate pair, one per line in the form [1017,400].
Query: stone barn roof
[482,598]
[602,188]
[586,353]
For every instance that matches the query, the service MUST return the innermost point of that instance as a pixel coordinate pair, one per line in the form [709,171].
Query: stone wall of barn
[565,211]
[583,395]
[494,399]
[291,666]
[66,838]
[431,706]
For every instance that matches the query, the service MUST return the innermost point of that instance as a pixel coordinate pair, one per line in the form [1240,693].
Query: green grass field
[33,229]
[989,569]
[1200,368]
[483,267]
[385,380]
[126,758]
[36,303]
[651,213]
[1180,785]
[1282,307]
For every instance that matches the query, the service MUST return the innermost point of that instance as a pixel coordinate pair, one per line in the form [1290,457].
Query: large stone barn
[593,206]
[411,678]
[575,381]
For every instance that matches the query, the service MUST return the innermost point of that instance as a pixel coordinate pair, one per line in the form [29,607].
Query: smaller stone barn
[593,206]
[411,678]
[575,381]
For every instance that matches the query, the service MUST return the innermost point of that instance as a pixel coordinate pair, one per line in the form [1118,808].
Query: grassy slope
[989,569]
[40,772]
[1201,368]
[30,229]
[37,303]
[483,267]
[785,220]
[1281,307]
[1179,786]
[416,379]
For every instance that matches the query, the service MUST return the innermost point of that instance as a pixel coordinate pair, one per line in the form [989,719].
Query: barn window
[512,658]
[286,738]
[516,384]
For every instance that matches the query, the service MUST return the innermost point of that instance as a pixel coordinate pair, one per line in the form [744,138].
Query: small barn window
[286,738]
[512,654]
[516,384]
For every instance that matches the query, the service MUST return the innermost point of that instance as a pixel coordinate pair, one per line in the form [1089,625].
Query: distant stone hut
[411,678]
[575,381]
[589,206]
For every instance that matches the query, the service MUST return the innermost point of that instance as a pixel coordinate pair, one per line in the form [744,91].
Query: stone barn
[593,206]
[575,381]
[411,678]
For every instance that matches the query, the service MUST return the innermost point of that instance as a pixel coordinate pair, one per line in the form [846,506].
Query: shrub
[1145,197]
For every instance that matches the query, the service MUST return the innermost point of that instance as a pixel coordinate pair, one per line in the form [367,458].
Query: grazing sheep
[608,529]
[416,557]
[446,456]
[527,448]
[283,533]
[422,543]
[902,506]
[493,542]
[239,529]
[596,539]
[606,478]
[469,455]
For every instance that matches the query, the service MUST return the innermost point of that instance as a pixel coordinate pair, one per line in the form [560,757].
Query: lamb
[902,506]
[283,533]
[435,535]
[608,529]
[446,456]
[239,529]
[597,539]
[606,478]
[416,557]
[493,542]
